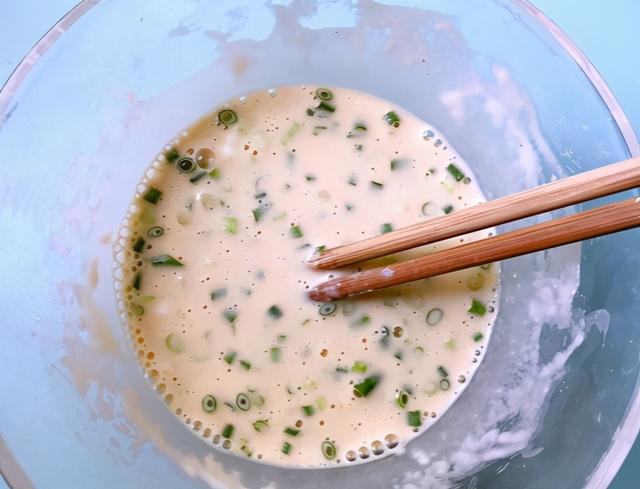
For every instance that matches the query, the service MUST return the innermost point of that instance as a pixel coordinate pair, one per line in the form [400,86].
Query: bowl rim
[627,432]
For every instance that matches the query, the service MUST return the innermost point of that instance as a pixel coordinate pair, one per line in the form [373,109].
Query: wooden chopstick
[556,232]
[585,186]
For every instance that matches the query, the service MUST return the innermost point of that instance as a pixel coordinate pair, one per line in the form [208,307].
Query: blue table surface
[604,31]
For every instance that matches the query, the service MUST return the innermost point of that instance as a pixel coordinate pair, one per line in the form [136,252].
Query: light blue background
[603,30]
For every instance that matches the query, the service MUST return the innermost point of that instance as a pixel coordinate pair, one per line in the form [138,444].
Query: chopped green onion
[230,315]
[455,172]
[328,450]
[165,260]
[296,231]
[364,388]
[402,399]
[231,225]
[398,163]
[324,94]
[475,281]
[136,309]
[447,209]
[227,431]
[358,130]
[138,246]
[275,312]
[319,249]
[246,364]
[327,309]
[137,280]
[477,308]
[172,154]
[286,448]
[218,293]
[434,316]
[215,174]
[155,232]
[425,208]
[386,228]
[392,119]
[478,337]
[445,384]
[209,403]
[230,357]
[362,320]
[198,176]
[243,402]
[257,214]
[174,343]
[443,371]
[377,185]
[359,367]
[261,424]
[291,431]
[308,410]
[414,418]
[326,106]
[152,195]
[227,117]
[275,354]
[291,132]
[186,165]
[450,344]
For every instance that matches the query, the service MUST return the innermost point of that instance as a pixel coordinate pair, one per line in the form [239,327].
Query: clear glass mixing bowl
[554,403]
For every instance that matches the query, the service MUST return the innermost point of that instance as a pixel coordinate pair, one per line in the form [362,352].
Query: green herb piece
[414,419]
[174,343]
[227,117]
[138,246]
[359,129]
[275,354]
[443,371]
[392,119]
[198,176]
[186,165]
[155,232]
[260,425]
[364,388]
[434,316]
[477,308]
[257,400]
[376,185]
[326,107]
[230,405]
[275,312]
[319,249]
[362,320]
[165,260]
[478,337]
[308,410]
[218,293]
[227,431]
[386,228]
[342,370]
[402,399]
[296,231]
[230,315]
[324,94]
[318,129]
[398,163]
[209,403]
[328,450]
[286,448]
[172,154]
[215,174]
[231,225]
[359,367]
[310,112]
[152,195]
[291,431]
[137,280]
[457,174]
[425,208]
[136,309]
[447,209]
[450,344]
[291,132]
[327,308]
[230,357]
[243,402]
[246,364]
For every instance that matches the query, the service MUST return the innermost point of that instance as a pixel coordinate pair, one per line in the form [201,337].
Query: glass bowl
[555,401]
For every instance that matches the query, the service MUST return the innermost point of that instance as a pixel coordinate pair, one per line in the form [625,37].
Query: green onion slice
[402,399]
[227,431]
[434,316]
[227,117]
[392,119]
[152,195]
[328,450]
[477,308]
[209,403]
[457,174]
[243,402]
[275,312]
[364,388]
[327,308]
[324,94]
[165,260]
[414,418]
[155,232]
[186,165]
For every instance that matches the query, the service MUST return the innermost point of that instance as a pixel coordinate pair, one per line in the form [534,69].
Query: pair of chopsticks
[611,218]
